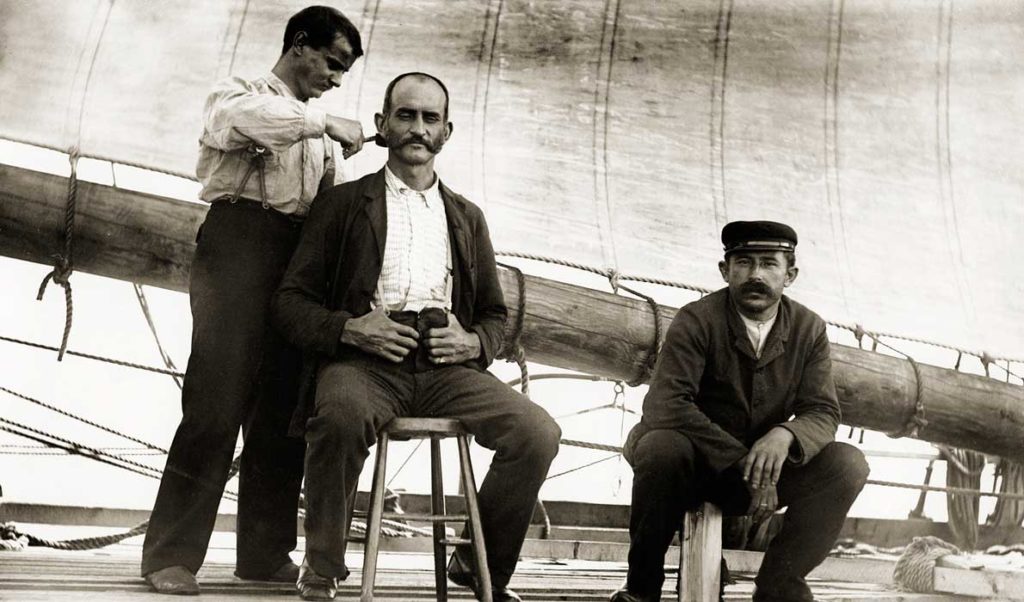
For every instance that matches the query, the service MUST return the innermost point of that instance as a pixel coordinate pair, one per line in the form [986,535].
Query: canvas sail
[623,135]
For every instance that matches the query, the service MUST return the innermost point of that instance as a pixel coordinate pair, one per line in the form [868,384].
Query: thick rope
[915,569]
[963,471]
[98,358]
[1008,513]
[62,269]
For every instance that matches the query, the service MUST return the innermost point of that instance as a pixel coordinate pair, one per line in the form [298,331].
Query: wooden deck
[36,574]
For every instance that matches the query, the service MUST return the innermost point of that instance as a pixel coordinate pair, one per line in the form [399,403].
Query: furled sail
[623,135]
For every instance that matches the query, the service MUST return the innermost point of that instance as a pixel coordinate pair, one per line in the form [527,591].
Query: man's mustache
[755,287]
[430,146]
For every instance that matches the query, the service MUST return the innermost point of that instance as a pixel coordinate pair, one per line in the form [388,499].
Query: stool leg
[373,520]
[476,531]
[437,508]
[700,555]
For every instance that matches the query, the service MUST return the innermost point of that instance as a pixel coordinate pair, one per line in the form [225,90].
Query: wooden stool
[436,429]
[700,555]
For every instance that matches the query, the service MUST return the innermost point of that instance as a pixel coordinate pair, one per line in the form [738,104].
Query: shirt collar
[277,85]
[397,187]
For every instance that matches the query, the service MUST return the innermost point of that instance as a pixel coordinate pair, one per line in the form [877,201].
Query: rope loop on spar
[513,351]
[64,266]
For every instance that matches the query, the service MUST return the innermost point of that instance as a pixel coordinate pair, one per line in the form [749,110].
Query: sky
[108,321]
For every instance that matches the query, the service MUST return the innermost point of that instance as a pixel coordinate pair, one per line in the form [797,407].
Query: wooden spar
[150,240]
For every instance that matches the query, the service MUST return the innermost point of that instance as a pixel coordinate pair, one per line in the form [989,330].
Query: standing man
[394,287]
[263,156]
[742,412]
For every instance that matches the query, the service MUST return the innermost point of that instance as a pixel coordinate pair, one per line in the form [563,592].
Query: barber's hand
[763,502]
[452,344]
[347,132]
[378,334]
[762,465]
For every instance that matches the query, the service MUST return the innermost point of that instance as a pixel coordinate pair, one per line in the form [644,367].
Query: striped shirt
[265,112]
[417,267]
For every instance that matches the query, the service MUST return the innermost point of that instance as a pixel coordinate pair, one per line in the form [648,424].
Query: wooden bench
[700,555]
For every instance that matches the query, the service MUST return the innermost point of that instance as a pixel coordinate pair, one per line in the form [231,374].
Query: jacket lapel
[776,343]
[740,340]
[376,208]
[457,226]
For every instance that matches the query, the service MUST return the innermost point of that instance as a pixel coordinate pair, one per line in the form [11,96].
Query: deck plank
[38,574]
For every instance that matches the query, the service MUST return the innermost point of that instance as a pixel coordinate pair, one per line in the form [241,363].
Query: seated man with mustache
[395,289]
[742,412]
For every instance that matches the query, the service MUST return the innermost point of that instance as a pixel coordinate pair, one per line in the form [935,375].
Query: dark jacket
[710,385]
[333,274]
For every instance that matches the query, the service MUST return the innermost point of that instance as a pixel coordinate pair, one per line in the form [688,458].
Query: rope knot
[614,276]
[858,333]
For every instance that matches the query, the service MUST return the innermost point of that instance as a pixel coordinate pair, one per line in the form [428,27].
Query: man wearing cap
[742,412]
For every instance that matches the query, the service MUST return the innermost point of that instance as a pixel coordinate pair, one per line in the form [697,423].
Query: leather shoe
[460,572]
[287,573]
[174,580]
[312,586]
[624,595]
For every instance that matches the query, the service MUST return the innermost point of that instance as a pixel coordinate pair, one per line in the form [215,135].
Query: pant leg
[668,480]
[238,263]
[354,399]
[819,495]
[525,439]
[270,476]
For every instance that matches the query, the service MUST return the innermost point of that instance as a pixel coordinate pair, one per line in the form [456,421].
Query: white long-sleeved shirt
[265,112]
[417,269]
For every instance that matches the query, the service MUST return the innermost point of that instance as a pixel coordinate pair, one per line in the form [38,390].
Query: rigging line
[83,420]
[80,449]
[111,459]
[716,119]
[602,93]
[953,490]
[140,294]
[556,376]
[487,47]
[97,157]
[578,468]
[407,458]
[98,358]
[944,156]
[88,75]
[369,24]
[238,38]
[833,192]
[72,449]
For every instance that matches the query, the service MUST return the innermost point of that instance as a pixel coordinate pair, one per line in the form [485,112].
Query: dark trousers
[357,396]
[670,478]
[240,373]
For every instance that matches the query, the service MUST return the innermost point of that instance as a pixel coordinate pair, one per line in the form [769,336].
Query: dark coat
[333,274]
[710,386]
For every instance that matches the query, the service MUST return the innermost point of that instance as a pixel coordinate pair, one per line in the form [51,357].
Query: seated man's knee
[851,465]
[340,422]
[541,436]
[663,450]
